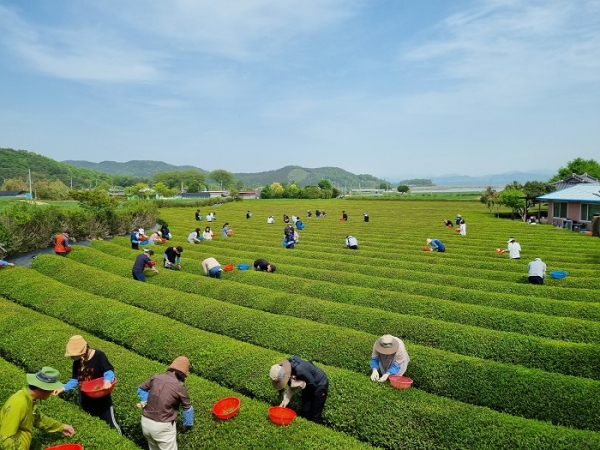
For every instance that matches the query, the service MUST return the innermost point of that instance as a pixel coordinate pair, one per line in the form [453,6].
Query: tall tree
[578,166]
[222,178]
[515,200]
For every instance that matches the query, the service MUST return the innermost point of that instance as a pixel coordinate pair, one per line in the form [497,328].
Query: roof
[12,193]
[575,179]
[584,192]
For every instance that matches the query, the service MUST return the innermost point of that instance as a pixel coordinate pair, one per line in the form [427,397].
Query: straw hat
[387,345]
[428,241]
[45,379]
[182,364]
[280,374]
[76,346]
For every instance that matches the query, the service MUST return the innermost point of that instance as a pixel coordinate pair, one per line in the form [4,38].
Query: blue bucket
[558,274]
[243,266]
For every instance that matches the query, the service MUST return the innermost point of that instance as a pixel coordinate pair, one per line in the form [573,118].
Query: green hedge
[421,305]
[512,348]
[371,412]
[90,431]
[575,401]
[249,429]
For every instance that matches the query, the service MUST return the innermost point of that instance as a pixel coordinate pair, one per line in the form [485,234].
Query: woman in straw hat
[295,373]
[389,356]
[20,414]
[161,396]
[89,364]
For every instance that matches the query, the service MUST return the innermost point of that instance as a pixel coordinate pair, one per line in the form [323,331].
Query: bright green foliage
[578,166]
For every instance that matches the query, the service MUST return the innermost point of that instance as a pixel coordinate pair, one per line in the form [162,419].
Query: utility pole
[30,192]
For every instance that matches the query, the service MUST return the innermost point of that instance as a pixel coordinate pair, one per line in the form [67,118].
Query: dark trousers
[135,246]
[313,402]
[536,280]
[353,247]
[61,254]
[139,276]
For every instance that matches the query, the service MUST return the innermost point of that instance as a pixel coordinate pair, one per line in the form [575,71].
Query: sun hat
[428,241]
[76,346]
[45,379]
[182,364]
[280,374]
[141,230]
[510,239]
[159,233]
[387,345]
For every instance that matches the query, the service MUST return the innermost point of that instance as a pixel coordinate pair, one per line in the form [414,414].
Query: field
[497,363]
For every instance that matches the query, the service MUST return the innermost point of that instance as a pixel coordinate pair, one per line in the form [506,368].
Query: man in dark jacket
[295,373]
[263,264]
[172,258]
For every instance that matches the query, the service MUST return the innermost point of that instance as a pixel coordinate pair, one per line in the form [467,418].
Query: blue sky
[387,87]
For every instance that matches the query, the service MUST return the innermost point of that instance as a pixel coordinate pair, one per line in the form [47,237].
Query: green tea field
[497,363]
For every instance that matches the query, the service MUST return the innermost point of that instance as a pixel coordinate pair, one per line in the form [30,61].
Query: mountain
[309,177]
[300,175]
[142,169]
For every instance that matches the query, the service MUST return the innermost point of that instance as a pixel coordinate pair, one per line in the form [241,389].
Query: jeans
[215,272]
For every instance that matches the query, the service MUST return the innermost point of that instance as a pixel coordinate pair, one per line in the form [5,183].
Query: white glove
[384,377]
[284,403]
[375,375]
[141,405]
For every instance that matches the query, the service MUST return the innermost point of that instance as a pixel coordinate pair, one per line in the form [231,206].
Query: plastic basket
[426,249]
[281,416]
[400,382]
[93,388]
[66,447]
[230,233]
[228,267]
[500,250]
[558,274]
[243,266]
[226,408]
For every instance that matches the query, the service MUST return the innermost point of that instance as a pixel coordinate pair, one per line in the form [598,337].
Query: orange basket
[400,382]
[426,249]
[93,388]
[66,447]
[226,408]
[230,233]
[500,250]
[213,235]
[228,267]
[281,416]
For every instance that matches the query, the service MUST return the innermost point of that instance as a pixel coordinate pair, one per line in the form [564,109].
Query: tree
[489,198]
[385,185]
[403,188]
[533,189]
[324,184]
[51,190]
[15,184]
[141,190]
[578,166]
[515,200]
[292,191]
[277,190]
[222,178]
[163,190]
[266,192]
[311,192]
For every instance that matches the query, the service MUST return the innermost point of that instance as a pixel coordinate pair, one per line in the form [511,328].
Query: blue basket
[558,274]
[243,266]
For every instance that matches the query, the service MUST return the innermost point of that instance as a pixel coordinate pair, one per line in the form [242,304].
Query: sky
[390,88]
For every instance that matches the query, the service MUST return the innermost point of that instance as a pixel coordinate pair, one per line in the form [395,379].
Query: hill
[18,163]
[310,177]
[300,175]
[143,169]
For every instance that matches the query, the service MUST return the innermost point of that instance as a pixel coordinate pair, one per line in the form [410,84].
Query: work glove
[284,403]
[140,405]
[384,377]
[375,375]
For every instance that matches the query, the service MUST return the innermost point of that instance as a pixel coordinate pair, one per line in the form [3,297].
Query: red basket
[93,388]
[66,447]
[230,233]
[213,235]
[226,408]
[458,230]
[400,382]
[163,239]
[500,250]
[281,416]
[426,249]
[153,264]
[228,267]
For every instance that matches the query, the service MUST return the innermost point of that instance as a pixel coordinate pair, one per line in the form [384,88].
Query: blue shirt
[437,245]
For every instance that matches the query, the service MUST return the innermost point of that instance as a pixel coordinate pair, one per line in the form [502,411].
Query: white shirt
[270,220]
[537,268]
[207,235]
[350,241]
[193,235]
[514,249]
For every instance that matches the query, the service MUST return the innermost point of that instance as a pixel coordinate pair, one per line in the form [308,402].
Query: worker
[458,219]
[197,215]
[513,248]
[536,271]
[207,235]
[264,265]
[351,242]
[365,217]
[172,258]
[212,268]
[143,261]
[436,245]
[296,373]
[89,364]
[21,412]
[271,220]
[195,237]
[389,357]
[344,216]
[161,396]
[2,253]
[61,243]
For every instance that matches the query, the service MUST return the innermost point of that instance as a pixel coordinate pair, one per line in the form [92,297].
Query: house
[203,195]
[574,179]
[573,207]
[248,195]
